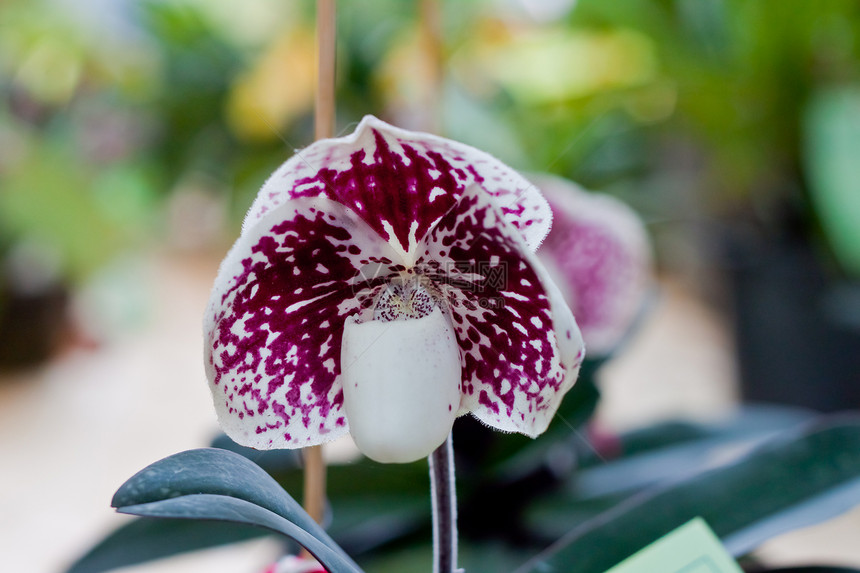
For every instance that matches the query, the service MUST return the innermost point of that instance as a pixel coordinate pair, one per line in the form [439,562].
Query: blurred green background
[113,111]
[731,126]
[137,128]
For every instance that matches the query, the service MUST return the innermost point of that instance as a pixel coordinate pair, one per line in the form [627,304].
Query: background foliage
[134,126]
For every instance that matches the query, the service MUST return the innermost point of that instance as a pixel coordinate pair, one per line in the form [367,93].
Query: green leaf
[364,523]
[219,472]
[143,540]
[272,462]
[832,137]
[650,456]
[224,508]
[374,503]
[664,451]
[747,421]
[789,482]
[473,557]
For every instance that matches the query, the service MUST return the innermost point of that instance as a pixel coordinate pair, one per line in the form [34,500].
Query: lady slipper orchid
[600,257]
[384,283]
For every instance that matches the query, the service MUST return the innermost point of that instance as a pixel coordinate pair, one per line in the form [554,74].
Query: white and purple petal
[519,343]
[337,227]
[401,183]
[275,321]
[599,255]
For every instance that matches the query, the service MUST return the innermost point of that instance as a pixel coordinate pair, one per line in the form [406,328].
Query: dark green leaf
[474,557]
[374,503]
[672,449]
[364,522]
[224,508]
[143,540]
[790,482]
[270,461]
[219,472]
[652,455]
[747,421]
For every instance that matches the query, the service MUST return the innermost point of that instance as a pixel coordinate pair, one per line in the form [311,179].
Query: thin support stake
[326,33]
[315,471]
[430,25]
[314,482]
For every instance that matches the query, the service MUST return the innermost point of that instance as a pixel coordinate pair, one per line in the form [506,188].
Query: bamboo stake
[326,33]
[315,470]
[430,26]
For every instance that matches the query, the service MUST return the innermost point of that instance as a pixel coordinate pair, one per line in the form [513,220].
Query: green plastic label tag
[692,548]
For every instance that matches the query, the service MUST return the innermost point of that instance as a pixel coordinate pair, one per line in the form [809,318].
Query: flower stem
[443,494]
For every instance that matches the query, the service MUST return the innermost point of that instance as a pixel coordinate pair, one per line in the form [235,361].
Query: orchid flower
[599,254]
[383,284]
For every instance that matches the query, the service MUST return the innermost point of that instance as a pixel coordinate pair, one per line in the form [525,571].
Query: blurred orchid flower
[384,283]
[296,564]
[599,255]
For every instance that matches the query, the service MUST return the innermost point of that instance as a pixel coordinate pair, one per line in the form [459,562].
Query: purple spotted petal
[326,234]
[401,183]
[598,253]
[275,322]
[520,346]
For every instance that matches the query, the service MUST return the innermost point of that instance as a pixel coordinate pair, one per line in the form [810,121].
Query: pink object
[599,255]
[296,564]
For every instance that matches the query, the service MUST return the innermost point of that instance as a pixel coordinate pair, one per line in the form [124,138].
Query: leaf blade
[226,508]
[776,477]
[219,472]
[144,540]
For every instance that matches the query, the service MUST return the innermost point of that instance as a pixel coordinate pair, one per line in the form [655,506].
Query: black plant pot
[32,322]
[797,331]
